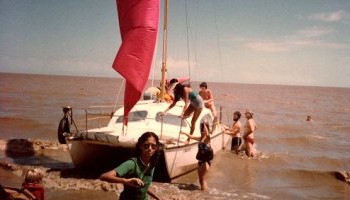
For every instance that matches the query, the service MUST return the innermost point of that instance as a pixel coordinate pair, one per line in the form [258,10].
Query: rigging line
[120,89]
[195,41]
[188,44]
[218,41]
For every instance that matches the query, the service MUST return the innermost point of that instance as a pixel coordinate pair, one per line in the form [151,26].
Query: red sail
[138,22]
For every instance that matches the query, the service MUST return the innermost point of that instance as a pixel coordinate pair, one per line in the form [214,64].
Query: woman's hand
[184,133]
[134,182]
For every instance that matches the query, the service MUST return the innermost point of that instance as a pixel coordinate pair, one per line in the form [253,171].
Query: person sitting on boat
[208,98]
[205,154]
[170,88]
[137,173]
[33,183]
[193,103]
[151,93]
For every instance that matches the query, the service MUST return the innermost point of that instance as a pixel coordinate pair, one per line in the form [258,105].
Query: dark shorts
[236,143]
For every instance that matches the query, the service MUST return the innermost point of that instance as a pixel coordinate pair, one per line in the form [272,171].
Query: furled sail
[138,22]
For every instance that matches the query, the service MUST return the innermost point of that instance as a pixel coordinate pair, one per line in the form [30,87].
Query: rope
[188,43]
[120,89]
[218,41]
[178,139]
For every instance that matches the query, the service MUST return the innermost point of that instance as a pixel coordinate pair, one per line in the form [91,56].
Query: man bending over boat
[193,104]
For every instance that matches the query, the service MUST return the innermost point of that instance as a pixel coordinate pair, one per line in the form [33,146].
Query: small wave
[309,176]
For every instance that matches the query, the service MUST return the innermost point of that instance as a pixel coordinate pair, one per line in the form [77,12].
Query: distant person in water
[206,156]
[308,118]
[137,173]
[33,179]
[249,133]
[193,103]
[235,132]
[208,99]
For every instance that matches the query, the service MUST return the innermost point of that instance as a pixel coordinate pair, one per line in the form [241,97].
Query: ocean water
[297,159]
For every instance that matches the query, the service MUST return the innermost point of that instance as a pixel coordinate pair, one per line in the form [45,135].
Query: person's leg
[195,116]
[203,170]
[249,148]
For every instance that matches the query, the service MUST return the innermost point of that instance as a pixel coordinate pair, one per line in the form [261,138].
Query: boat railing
[98,116]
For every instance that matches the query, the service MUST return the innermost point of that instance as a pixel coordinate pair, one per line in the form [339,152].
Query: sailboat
[105,147]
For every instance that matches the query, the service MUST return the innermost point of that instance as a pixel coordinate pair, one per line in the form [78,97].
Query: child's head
[33,176]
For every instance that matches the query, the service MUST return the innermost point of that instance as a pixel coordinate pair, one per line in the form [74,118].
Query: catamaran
[105,147]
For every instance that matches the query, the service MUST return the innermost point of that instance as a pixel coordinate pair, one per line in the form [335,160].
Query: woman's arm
[170,106]
[112,177]
[192,137]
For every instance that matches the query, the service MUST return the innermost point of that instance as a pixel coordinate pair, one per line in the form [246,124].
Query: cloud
[315,32]
[311,37]
[336,16]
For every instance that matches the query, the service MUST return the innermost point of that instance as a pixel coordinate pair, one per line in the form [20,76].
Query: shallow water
[297,158]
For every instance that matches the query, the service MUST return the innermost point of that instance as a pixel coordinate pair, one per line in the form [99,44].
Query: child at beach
[33,182]
[136,174]
[234,131]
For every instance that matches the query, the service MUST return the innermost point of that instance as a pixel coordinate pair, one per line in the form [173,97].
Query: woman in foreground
[136,174]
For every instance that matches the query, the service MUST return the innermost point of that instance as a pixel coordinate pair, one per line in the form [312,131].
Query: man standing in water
[249,130]
[234,131]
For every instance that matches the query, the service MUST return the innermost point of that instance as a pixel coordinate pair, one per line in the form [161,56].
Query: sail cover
[138,22]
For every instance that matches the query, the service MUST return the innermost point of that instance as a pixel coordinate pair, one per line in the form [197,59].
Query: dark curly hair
[179,92]
[238,114]
[142,139]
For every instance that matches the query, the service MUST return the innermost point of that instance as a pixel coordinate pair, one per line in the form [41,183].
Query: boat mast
[164,58]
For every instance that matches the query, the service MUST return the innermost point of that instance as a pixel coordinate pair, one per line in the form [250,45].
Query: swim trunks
[250,140]
[236,143]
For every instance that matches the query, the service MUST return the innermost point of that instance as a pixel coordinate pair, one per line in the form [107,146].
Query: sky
[283,42]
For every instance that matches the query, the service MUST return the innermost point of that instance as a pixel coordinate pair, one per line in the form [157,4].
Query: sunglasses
[147,146]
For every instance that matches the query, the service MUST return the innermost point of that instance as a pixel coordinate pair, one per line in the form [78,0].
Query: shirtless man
[207,96]
[235,132]
[248,136]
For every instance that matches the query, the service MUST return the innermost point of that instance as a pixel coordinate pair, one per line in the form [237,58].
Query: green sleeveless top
[133,168]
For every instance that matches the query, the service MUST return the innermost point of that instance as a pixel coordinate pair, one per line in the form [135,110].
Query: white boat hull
[103,149]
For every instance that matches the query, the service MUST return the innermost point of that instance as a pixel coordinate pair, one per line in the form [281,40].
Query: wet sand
[61,182]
